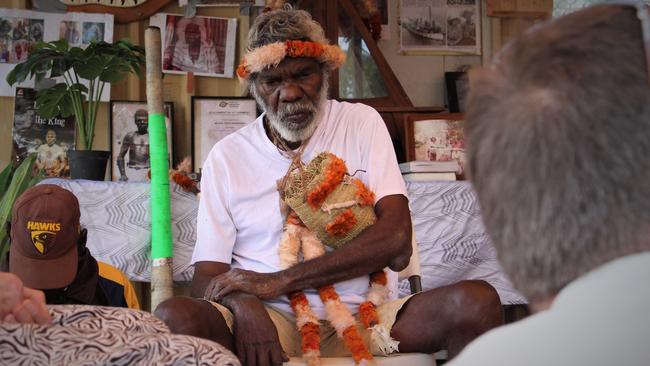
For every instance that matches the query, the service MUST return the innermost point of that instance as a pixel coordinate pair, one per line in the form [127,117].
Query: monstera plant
[82,75]
[98,64]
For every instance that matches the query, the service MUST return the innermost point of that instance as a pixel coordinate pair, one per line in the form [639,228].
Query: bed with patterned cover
[452,242]
[95,335]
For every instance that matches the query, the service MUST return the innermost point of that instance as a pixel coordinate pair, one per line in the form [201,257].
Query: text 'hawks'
[45,226]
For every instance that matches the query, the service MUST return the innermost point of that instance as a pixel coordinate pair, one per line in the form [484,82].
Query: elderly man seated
[240,221]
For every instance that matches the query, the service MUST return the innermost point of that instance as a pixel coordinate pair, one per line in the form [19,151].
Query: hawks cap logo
[43,234]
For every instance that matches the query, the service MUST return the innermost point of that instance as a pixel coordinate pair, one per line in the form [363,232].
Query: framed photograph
[435,137]
[50,139]
[214,118]
[21,29]
[440,27]
[204,46]
[130,139]
[457,85]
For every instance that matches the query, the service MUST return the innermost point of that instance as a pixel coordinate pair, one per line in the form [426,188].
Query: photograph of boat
[424,28]
[450,26]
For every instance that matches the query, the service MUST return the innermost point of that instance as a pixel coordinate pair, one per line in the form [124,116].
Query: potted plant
[98,64]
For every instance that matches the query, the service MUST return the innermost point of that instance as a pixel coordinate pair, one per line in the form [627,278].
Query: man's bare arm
[205,273]
[127,141]
[385,243]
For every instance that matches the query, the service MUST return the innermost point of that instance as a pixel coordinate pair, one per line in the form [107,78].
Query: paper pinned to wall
[19,29]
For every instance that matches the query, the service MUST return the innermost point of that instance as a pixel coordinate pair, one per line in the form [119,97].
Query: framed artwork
[129,138]
[21,29]
[50,139]
[435,137]
[214,118]
[440,27]
[457,85]
[204,46]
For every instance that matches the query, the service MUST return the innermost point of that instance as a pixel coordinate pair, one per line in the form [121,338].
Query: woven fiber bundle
[332,204]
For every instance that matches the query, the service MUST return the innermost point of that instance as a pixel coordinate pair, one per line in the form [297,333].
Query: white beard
[290,131]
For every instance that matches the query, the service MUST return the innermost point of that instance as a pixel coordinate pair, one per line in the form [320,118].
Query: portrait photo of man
[130,140]
[51,157]
[136,144]
[195,45]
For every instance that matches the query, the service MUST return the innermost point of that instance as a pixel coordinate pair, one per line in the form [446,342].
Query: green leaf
[15,74]
[5,178]
[54,101]
[21,180]
[89,68]
[60,45]
[114,73]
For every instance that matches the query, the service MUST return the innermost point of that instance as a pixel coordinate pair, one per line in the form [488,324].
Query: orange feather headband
[273,53]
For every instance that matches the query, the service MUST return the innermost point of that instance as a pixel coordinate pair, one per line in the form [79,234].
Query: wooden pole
[161,242]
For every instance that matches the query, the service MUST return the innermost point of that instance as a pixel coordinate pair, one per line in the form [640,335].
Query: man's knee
[186,315]
[177,313]
[479,306]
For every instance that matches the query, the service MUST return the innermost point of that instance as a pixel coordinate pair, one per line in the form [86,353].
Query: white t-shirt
[601,318]
[239,220]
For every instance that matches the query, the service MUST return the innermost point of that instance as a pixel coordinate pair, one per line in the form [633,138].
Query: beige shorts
[331,345]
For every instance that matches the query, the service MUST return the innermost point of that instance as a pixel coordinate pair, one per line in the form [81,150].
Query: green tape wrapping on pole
[161,238]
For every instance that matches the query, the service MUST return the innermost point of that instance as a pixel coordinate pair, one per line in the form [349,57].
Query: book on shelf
[426,166]
[429,176]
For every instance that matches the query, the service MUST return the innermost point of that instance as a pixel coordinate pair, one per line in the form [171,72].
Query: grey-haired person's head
[558,144]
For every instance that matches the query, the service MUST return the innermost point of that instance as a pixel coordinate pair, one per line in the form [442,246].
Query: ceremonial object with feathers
[330,207]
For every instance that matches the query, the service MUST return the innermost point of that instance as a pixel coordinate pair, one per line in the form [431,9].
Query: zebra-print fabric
[91,335]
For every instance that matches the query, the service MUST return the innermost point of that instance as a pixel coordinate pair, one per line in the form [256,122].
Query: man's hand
[264,286]
[20,304]
[256,338]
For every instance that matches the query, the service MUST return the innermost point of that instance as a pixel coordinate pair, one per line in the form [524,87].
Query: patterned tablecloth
[117,216]
[109,336]
[452,242]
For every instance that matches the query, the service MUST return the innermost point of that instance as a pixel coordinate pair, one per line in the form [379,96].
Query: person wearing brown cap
[48,252]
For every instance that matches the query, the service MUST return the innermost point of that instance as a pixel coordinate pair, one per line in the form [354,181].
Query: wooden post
[161,241]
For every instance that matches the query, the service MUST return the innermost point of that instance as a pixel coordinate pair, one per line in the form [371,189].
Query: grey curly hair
[284,24]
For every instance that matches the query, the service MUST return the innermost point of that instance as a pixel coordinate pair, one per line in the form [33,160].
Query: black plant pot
[88,164]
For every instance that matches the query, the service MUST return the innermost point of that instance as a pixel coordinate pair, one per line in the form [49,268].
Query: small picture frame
[457,85]
[214,118]
[129,138]
[435,137]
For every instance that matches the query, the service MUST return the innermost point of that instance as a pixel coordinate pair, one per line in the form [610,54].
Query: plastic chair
[413,273]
